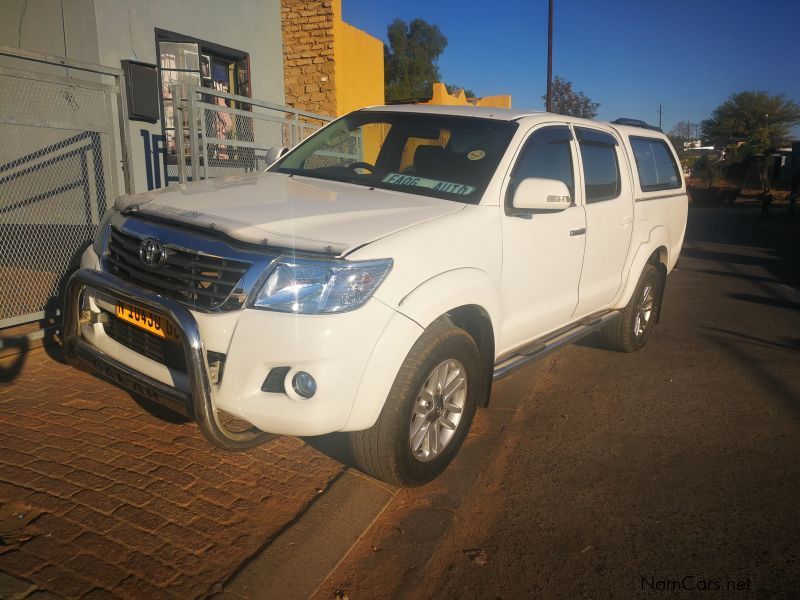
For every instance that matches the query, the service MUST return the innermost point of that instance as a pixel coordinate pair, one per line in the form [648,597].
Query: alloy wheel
[644,312]
[438,410]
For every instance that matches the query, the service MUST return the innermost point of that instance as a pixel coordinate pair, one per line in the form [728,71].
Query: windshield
[433,155]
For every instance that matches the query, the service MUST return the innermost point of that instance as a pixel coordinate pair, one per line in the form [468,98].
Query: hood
[290,212]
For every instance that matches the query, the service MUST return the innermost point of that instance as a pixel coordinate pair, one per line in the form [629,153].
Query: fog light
[304,384]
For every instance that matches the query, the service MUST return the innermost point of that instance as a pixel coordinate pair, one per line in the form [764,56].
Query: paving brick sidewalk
[124,504]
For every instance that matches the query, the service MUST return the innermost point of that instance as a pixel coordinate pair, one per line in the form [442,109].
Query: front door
[542,251]
[609,218]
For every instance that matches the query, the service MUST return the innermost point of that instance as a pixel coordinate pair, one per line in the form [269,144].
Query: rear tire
[631,331]
[428,411]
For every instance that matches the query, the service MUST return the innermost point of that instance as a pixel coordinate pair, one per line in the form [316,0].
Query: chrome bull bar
[198,403]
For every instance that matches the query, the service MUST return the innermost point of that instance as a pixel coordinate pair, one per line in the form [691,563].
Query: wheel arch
[471,300]
[659,258]
[467,297]
[655,252]
[475,320]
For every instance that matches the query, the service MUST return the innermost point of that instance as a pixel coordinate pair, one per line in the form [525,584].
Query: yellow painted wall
[442,98]
[358,60]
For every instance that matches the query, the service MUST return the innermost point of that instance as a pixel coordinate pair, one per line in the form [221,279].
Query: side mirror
[542,194]
[275,153]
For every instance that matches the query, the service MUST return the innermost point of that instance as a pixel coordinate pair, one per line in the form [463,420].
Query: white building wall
[109,31]
[126,30]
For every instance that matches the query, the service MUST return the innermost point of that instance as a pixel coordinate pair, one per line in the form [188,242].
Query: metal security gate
[59,172]
[231,134]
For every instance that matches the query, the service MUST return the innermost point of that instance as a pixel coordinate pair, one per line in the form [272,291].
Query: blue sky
[630,56]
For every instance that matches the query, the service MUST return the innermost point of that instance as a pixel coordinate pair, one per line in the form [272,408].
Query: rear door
[608,197]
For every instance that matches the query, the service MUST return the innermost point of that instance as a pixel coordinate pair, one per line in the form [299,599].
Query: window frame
[670,153]
[511,186]
[615,147]
[396,139]
[204,49]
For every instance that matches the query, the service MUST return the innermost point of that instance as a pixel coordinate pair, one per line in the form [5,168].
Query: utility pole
[660,113]
[549,107]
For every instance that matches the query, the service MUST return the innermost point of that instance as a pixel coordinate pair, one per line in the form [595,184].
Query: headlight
[103,228]
[311,286]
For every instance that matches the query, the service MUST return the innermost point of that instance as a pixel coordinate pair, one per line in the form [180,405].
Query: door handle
[578,231]
[626,221]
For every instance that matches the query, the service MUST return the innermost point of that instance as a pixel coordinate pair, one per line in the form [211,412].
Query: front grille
[199,280]
[166,352]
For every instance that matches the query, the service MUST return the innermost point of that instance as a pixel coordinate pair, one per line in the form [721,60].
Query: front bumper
[344,352]
[197,403]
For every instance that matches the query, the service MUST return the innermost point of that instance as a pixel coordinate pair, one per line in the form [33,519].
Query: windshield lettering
[398,179]
[431,184]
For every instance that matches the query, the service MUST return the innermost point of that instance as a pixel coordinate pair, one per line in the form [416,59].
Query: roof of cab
[510,114]
[486,112]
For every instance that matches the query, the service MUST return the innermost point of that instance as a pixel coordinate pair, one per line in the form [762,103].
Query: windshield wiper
[326,176]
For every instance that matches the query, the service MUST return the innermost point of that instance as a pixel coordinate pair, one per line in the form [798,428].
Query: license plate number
[149,321]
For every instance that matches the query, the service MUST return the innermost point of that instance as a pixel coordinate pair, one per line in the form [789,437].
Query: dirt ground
[669,472]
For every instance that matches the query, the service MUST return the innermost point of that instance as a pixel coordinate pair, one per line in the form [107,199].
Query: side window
[655,164]
[600,166]
[546,155]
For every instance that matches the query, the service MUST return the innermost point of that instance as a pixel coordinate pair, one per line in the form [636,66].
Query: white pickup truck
[379,276]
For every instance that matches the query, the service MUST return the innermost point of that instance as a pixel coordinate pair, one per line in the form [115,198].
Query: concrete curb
[302,557]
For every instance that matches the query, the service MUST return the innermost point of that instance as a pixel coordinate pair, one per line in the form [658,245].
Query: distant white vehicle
[380,275]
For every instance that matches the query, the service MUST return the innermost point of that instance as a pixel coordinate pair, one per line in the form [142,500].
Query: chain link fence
[220,134]
[58,175]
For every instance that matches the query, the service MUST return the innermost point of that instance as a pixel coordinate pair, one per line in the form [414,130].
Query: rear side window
[656,166]
[600,166]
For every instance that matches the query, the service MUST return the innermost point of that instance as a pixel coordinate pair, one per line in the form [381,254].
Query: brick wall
[308,55]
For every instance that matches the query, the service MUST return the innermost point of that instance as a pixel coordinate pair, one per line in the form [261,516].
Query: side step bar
[552,342]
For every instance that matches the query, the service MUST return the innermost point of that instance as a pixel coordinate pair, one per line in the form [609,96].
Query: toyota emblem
[152,252]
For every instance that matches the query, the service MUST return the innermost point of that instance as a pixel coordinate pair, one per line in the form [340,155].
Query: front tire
[631,331]
[428,411]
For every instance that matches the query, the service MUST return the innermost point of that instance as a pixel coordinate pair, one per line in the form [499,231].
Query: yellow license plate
[149,321]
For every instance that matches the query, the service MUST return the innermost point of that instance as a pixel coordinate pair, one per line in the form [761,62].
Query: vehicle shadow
[333,445]
[156,410]
[14,349]
[596,340]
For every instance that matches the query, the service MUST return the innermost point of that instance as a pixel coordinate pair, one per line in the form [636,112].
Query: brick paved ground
[125,504]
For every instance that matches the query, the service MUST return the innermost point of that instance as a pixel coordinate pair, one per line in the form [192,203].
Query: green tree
[410,68]
[758,117]
[567,101]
